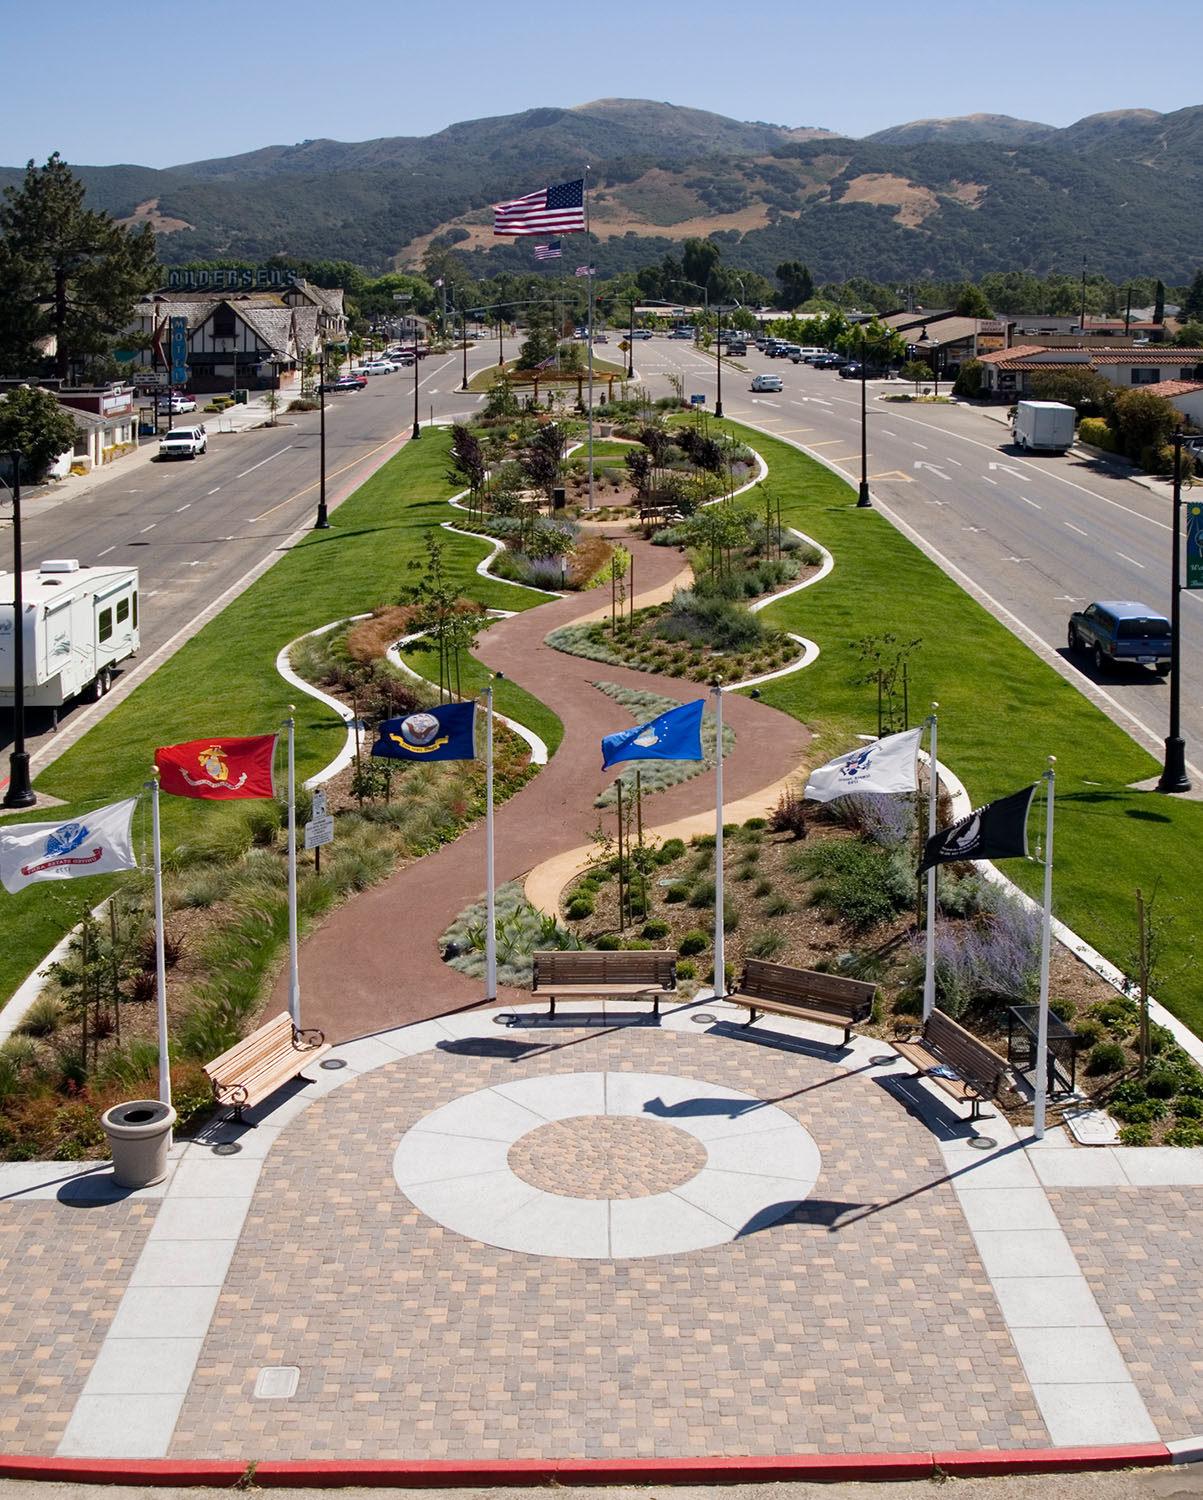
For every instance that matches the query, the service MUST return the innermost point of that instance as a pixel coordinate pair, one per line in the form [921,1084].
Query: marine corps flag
[219,769]
[997,831]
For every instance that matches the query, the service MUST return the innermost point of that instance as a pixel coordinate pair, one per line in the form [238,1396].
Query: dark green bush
[1161,1085]
[656,928]
[578,908]
[702,895]
[1064,1010]
[1088,1033]
[1186,1107]
[671,849]
[686,969]
[1107,1057]
[640,945]
[676,893]
[1135,1135]
[766,942]
[608,942]
[696,941]
[859,882]
[1139,1112]
[1184,1133]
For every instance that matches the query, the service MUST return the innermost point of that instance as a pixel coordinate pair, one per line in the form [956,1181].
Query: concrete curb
[496,1473]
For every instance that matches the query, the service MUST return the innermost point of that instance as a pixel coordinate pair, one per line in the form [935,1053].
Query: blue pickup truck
[1112,631]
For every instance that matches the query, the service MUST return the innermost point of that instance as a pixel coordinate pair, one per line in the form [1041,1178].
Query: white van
[805,354]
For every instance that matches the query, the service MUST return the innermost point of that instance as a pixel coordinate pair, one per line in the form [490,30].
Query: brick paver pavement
[861,1322]
[63,1269]
[1141,1249]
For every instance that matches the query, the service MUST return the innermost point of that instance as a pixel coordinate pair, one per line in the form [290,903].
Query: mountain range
[940,198]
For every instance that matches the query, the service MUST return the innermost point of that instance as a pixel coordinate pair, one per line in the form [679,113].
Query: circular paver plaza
[603,1238]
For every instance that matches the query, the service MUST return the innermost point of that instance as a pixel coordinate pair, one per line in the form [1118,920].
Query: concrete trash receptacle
[139,1136]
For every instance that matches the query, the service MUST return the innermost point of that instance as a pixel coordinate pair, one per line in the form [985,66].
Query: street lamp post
[323,520]
[631,343]
[718,360]
[417,432]
[463,332]
[933,348]
[18,793]
[862,494]
[1173,774]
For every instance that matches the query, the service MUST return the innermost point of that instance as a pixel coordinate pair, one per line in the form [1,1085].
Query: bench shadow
[490,1046]
[779,1040]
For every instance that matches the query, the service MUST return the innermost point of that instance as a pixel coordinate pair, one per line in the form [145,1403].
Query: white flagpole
[294,978]
[160,962]
[490,909]
[933,796]
[589,332]
[1050,777]
[720,964]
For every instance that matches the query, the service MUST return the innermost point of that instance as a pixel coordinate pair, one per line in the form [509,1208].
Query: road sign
[319,804]
[697,401]
[179,350]
[624,345]
[319,831]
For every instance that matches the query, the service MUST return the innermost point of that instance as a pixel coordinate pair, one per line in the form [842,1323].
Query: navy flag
[675,735]
[443,733]
[997,831]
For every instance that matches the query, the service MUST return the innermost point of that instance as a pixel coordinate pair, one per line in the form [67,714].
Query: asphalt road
[194,528]
[1032,538]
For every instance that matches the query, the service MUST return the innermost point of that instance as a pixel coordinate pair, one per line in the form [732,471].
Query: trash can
[139,1135]
[558,497]
[240,397]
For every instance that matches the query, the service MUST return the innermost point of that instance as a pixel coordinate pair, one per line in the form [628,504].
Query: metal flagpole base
[19,793]
[862,494]
[1173,775]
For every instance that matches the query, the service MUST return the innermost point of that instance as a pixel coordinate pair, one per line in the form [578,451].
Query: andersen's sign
[246,278]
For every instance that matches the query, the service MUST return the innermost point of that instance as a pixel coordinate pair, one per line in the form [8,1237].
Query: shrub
[43,1018]
[671,849]
[1161,1085]
[1064,1010]
[1096,432]
[1188,1108]
[859,882]
[1119,1016]
[686,969]
[676,893]
[728,976]
[579,908]
[702,895]
[608,942]
[1138,1111]
[766,942]
[1107,1057]
[908,1003]
[656,928]
[1135,1135]
[1184,1133]
[763,888]
[640,945]
[695,941]
[790,815]
[1088,1033]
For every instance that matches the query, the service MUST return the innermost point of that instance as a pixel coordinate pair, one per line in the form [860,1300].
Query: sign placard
[319,804]
[1194,545]
[697,401]
[319,831]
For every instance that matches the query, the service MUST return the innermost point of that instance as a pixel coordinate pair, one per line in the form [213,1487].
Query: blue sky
[164,85]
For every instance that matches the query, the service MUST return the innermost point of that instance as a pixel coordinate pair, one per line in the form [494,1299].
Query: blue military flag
[443,733]
[675,735]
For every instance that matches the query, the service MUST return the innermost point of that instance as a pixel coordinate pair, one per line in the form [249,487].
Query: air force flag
[886,765]
[442,733]
[675,735]
[94,844]
[997,831]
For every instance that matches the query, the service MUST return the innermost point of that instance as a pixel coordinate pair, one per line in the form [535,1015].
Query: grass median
[1002,713]
[224,680]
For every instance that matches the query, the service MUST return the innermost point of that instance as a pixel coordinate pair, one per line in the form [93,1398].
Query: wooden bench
[829,999]
[257,1066]
[564,974]
[957,1061]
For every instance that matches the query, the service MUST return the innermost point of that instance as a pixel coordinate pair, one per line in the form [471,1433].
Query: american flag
[548,252]
[589,270]
[439,282]
[546,364]
[553,210]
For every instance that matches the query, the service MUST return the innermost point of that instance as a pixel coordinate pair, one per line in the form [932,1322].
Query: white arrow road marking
[922,463]
[1007,469]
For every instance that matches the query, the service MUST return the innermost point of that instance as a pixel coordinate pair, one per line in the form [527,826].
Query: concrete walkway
[492,1236]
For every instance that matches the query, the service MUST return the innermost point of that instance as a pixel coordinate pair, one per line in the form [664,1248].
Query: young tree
[797,284]
[1191,310]
[917,371]
[1159,303]
[972,302]
[33,422]
[67,273]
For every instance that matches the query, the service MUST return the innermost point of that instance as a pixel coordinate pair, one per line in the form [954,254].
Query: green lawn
[224,680]
[1002,713]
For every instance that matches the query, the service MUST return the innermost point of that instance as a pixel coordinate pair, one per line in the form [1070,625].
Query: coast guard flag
[675,735]
[94,844]
[443,733]
[886,765]
[219,769]
[997,831]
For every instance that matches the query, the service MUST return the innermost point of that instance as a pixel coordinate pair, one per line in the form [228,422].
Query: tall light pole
[18,793]
[463,333]
[323,520]
[718,361]
[408,297]
[933,348]
[1173,774]
[862,494]
[631,343]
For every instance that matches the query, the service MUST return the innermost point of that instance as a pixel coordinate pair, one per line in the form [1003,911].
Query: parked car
[641,333]
[376,367]
[600,338]
[830,362]
[736,347]
[766,383]
[180,403]
[1112,631]
[184,442]
[681,333]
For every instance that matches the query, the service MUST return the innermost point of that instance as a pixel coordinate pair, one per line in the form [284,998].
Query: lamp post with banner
[1173,772]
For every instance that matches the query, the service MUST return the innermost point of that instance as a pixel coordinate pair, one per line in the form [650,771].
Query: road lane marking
[1072,527]
[261,462]
[922,463]
[947,460]
[886,432]
[988,480]
[914,444]
[189,504]
[895,474]
[1132,560]
[1032,503]
[827,442]
[151,527]
[105,553]
[309,488]
[214,490]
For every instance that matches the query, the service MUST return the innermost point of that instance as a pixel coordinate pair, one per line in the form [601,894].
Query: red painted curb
[1052,1460]
[450,1474]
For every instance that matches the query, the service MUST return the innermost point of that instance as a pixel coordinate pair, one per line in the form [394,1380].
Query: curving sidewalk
[375,963]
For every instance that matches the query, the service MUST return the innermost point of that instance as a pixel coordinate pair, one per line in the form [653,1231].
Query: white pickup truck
[184,442]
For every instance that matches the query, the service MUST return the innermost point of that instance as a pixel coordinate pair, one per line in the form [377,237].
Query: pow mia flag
[997,831]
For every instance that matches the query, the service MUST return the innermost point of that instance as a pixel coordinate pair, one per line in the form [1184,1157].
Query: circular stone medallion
[606,1166]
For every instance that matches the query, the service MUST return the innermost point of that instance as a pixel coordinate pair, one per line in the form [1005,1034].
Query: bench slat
[593,971]
[943,1042]
[829,999]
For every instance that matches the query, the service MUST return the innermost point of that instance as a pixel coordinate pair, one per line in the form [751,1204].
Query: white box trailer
[78,623]
[1044,425]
